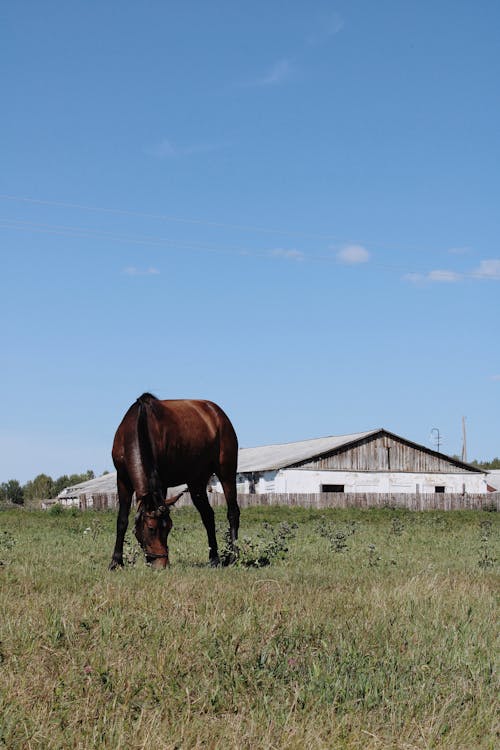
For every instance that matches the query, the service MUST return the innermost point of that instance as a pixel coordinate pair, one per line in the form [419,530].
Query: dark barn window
[332,488]
[439,488]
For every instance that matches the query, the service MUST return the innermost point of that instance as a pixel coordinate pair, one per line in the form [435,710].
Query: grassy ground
[375,629]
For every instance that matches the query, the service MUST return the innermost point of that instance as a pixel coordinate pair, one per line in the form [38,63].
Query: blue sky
[289,208]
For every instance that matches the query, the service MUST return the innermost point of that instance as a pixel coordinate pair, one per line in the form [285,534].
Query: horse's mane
[147,397]
[146,449]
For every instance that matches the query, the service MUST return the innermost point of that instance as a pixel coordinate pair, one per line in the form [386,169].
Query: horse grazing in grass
[162,444]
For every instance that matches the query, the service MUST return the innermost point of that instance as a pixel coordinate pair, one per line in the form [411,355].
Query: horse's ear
[171,500]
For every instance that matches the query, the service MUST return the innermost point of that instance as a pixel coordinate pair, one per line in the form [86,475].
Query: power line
[146,240]
[204,222]
[167,217]
[277,253]
[89,232]
[162,242]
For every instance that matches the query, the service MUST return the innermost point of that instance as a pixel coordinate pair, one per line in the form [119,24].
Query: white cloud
[327,27]
[163,150]
[432,276]
[133,271]
[414,278]
[496,378]
[488,269]
[447,277]
[353,255]
[459,250]
[280,72]
[437,277]
[287,254]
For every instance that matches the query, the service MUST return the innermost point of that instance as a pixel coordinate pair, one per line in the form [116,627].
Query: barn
[93,489]
[377,461]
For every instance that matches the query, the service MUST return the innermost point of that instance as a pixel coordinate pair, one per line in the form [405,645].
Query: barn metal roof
[262,458]
[98,485]
[268,457]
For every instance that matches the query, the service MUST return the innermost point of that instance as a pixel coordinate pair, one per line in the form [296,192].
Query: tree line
[486,465]
[493,464]
[42,487]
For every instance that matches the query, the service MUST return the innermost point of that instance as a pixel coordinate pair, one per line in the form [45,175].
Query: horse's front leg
[200,499]
[125,493]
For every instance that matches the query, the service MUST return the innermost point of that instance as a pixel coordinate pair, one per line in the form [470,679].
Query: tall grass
[368,629]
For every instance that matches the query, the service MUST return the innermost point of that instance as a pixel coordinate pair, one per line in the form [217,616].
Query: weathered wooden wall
[384,454]
[428,501]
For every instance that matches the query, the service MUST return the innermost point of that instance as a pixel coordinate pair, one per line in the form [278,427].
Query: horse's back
[201,421]
[183,430]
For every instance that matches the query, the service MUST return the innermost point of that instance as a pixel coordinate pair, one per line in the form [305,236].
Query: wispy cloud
[459,250]
[133,271]
[414,278]
[162,150]
[280,72]
[444,276]
[353,255]
[327,27]
[287,254]
[496,378]
[487,269]
[438,276]
[165,149]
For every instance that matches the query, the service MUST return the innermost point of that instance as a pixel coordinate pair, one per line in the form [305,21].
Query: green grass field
[373,629]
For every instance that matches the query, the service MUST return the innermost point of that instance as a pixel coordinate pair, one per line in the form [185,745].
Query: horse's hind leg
[233,510]
[125,493]
[200,499]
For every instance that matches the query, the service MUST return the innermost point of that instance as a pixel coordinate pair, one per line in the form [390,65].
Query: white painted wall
[310,481]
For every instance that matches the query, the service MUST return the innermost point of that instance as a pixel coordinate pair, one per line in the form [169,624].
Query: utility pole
[437,438]
[464,442]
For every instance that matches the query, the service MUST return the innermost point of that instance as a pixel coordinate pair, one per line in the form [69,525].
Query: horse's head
[152,526]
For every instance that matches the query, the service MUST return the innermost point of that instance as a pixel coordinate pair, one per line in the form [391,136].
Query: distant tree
[493,464]
[59,484]
[43,487]
[69,481]
[39,488]
[12,492]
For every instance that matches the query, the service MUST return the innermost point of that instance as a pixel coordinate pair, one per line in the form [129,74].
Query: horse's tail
[145,416]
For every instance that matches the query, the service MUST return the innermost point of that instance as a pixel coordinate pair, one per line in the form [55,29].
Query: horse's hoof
[115,565]
[214,562]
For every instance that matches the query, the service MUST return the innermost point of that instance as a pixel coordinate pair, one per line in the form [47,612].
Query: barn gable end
[385,451]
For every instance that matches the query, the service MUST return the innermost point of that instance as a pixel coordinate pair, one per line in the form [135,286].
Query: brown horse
[162,444]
